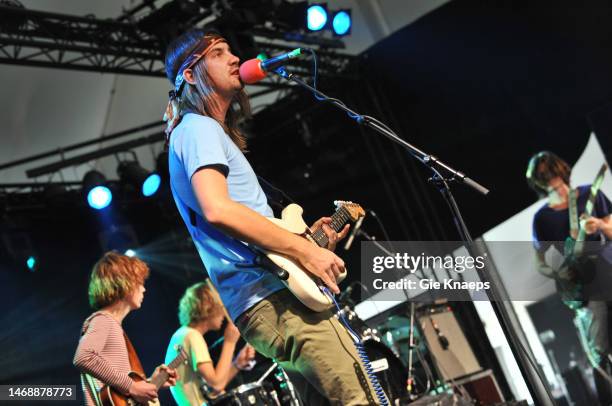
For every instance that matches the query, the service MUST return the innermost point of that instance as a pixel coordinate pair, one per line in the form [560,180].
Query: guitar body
[110,397]
[300,282]
[570,290]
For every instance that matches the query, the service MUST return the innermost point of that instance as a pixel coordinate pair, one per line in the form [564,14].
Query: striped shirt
[102,353]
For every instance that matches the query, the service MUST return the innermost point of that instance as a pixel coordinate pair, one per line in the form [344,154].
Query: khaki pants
[314,344]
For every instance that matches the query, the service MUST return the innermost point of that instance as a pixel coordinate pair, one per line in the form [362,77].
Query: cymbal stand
[410,380]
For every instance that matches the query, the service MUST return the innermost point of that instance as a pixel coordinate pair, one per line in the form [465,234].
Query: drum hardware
[290,398]
[364,331]
[410,380]
[248,394]
[277,392]
[389,369]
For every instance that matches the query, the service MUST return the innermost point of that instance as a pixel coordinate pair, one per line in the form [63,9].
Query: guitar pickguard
[301,283]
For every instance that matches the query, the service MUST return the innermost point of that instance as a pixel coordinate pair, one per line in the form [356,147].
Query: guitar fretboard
[339,219]
[162,377]
[590,204]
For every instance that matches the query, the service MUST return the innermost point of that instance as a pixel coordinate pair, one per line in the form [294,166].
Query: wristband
[249,366]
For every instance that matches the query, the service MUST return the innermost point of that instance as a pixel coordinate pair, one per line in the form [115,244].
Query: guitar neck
[590,204]
[339,219]
[162,377]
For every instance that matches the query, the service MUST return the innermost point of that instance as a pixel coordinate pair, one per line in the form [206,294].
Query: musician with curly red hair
[116,287]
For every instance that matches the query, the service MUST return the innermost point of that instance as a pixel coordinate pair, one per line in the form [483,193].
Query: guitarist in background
[223,206]
[116,287]
[549,176]
[199,313]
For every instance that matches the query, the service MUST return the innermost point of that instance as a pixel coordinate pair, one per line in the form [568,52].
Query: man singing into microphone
[199,312]
[224,207]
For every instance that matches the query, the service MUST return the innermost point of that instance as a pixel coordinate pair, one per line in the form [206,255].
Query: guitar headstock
[354,210]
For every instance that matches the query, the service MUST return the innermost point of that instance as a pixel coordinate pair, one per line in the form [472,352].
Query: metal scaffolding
[36,38]
[135,46]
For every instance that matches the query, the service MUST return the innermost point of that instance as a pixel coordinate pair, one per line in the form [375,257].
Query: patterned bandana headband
[172,114]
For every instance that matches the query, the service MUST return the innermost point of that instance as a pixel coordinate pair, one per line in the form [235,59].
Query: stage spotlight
[132,173]
[98,195]
[316,17]
[130,253]
[151,184]
[342,22]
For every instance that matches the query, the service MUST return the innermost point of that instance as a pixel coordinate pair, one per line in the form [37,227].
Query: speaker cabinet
[450,350]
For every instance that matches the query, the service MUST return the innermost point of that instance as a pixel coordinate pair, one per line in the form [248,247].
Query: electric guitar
[110,397]
[573,248]
[300,282]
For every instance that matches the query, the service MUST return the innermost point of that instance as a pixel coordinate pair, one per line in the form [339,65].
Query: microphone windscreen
[251,72]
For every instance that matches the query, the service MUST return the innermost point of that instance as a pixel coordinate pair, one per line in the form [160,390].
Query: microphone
[254,70]
[353,233]
[217,343]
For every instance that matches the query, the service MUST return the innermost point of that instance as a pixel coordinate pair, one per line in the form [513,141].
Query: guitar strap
[89,382]
[573,213]
[135,364]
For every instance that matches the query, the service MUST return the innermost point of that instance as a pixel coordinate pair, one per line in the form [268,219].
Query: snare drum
[249,394]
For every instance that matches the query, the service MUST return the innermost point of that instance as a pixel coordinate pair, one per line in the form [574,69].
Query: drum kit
[273,388]
[388,348]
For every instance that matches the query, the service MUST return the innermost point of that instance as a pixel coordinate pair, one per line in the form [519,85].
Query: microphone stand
[533,379]
[373,239]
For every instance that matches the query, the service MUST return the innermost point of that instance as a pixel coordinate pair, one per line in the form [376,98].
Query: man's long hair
[198,97]
[543,167]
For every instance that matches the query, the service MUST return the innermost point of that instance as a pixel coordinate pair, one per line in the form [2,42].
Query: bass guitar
[571,290]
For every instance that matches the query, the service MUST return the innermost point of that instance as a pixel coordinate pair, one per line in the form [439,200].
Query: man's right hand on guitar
[172,375]
[566,273]
[143,391]
[324,264]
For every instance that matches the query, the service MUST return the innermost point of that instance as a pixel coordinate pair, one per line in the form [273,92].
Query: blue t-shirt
[554,225]
[199,142]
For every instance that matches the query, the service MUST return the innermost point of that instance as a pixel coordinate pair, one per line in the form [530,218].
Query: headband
[172,114]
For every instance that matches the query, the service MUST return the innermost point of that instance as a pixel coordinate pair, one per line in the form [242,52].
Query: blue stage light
[95,191]
[99,197]
[316,17]
[31,263]
[342,22]
[130,253]
[131,173]
[151,185]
